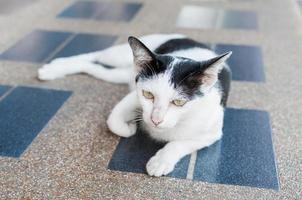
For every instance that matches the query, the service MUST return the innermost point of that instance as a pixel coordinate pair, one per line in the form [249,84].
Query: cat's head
[168,86]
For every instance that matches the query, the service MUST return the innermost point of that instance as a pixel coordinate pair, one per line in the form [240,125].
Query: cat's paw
[121,128]
[160,165]
[50,72]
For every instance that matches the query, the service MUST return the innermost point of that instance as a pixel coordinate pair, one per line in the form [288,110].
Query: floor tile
[82,9]
[244,156]
[246,62]
[112,11]
[35,47]
[23,114]
[7,7]
[39,46]
[84,43]
[3,89]
[209,18]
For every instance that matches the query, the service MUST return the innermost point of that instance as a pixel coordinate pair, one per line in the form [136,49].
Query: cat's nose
[156,122]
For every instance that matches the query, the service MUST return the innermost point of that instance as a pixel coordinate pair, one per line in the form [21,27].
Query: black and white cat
[179,85]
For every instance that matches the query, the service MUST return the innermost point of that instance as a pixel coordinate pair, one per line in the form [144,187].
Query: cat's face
[168,87]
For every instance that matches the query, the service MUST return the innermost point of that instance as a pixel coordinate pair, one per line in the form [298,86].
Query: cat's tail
[98,70]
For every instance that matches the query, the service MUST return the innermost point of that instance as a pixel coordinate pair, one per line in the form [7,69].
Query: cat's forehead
[179,69]
[173,63]
[159,84]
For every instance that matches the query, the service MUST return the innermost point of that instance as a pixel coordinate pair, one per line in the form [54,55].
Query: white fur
[186,129]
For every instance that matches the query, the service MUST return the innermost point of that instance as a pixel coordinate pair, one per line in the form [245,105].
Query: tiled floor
[41,46]
[3,90]
[244,156]
[36,46]
[209,18]
[23,114]
[246,62]
[101,10]
[76,157]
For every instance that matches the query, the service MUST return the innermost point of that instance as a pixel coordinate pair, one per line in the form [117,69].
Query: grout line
[7,93]
[191,167]
[60,47]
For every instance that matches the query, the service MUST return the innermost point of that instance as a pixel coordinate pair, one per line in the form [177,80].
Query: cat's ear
[141,54]
[211,69]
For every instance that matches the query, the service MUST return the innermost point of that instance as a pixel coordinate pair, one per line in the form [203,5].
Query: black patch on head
[155,67]
[159,62]
[179,44]
[184,77]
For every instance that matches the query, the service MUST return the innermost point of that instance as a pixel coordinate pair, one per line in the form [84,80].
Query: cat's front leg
[121,120]
[164,161]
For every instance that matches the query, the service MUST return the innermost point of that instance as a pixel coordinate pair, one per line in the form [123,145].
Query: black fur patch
[224,81]
[184,77]
[179,44]
[155,67]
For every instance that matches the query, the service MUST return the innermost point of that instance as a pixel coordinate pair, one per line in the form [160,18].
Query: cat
[178,91]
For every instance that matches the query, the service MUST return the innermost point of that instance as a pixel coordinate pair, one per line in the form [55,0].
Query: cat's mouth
[159,127]
[152,125]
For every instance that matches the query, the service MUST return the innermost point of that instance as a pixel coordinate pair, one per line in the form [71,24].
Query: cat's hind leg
[119,57]
[61,69]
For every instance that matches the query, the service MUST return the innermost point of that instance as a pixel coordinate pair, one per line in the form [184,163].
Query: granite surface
[69,158]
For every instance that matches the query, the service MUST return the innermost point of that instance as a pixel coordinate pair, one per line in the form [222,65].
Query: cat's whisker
[135,120]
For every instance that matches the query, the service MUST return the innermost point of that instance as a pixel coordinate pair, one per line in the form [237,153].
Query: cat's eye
[179,102]
[148,95]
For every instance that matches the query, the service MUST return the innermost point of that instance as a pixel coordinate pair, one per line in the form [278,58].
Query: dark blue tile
[132,155]
[244,156]
[3,89]
[102,10]
[239,20]
[35,47]
[84,43]
[119,12]
[246,62]
[83,9]
[210,18]
[23,114]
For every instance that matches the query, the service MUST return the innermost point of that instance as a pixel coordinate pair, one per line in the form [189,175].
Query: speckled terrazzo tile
[69,158]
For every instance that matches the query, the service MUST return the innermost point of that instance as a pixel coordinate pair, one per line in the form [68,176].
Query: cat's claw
[122,129]
[159,165]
